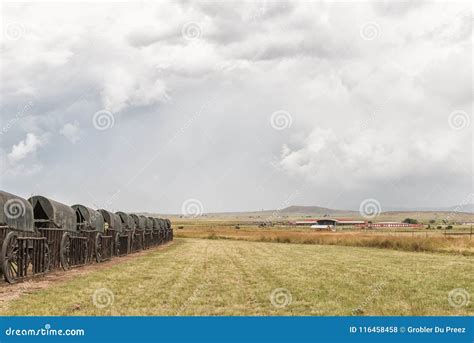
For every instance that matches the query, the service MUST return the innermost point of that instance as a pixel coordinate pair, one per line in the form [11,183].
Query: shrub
[212,236]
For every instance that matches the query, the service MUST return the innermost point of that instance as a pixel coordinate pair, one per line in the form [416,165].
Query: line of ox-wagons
[39,235]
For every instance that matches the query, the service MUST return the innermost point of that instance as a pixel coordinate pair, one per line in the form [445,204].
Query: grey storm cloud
[141,106]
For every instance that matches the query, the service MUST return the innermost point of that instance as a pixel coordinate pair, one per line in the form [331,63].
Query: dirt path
[11,292]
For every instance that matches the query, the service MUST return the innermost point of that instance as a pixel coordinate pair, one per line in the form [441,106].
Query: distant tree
[410,221]
[449,227]
[432,221]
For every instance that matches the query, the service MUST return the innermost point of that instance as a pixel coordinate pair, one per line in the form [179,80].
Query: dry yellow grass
[423,240]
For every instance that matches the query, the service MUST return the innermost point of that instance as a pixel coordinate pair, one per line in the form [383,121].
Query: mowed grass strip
[226,277]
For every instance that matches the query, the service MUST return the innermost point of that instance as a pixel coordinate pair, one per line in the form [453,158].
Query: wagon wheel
[47,257]
[9,257]
[117,244]
[98,247]
[65,251]
[137,241]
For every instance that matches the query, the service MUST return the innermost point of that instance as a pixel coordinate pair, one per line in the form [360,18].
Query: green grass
[227,277]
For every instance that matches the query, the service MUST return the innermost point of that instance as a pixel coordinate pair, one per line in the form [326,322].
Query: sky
[209,106]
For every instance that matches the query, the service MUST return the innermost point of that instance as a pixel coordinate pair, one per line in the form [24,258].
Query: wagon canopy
[88,219]
[112,219]
[127,222]
[48,213]
[162,224]
[156,224]
[140,221]
[149,223]
[16,212]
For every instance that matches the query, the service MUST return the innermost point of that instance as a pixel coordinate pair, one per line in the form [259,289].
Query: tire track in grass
[198,290]
[282,268]
[237,260]
[193,256]
[255,259]
[146,290]
[223,280]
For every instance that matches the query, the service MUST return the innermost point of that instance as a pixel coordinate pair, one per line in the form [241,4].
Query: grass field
[229,277]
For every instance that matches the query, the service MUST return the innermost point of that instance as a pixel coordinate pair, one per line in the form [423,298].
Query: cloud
[71,131]
[358,159]
[192,115]
[25,147]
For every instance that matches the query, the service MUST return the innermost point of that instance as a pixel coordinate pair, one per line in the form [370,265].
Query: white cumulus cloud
[25,147]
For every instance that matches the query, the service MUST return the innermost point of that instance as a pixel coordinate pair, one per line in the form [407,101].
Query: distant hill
[461,213]
[312,210]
